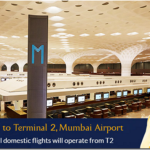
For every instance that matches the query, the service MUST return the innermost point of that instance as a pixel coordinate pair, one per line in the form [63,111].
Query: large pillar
[2,106]
[21,68]
[69,68]
[125,69]
[37,66]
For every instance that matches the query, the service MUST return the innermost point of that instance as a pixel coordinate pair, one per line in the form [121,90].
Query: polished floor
[144,113]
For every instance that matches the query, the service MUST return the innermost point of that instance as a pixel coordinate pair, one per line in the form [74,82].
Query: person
[146,139]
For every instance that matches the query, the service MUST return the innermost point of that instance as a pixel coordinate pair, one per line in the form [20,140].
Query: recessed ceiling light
[3,37]
[146,38]
[58,25]
[56,18]
[69,35]
[55,35]
[1,43]
[62,33]
[84,35]
[115,34]
[133,33]
[53,10]
[17,37]
[100,34]
[141,41]
[148,33]
[64,40]
[26,36]
[60,30]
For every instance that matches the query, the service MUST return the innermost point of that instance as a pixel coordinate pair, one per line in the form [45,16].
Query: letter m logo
[41,48]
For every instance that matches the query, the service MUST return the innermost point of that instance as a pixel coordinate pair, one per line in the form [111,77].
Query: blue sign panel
[41,48]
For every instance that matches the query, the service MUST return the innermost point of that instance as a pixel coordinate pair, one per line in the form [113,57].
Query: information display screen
[135,92]
[140,91]
[106,95]
[119,94]
[81,98]
[148,90]
[98,96]
[49,103]
[125,93]
[70,100]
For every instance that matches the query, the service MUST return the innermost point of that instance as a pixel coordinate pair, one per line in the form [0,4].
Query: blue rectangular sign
[72,133]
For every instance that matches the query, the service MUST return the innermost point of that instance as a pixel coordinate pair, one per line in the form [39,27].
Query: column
[62,98]
[2,106]
[8,68]
[37,66]
[69,68]
[92,96]
[94,69]
[21,68]
[125,69]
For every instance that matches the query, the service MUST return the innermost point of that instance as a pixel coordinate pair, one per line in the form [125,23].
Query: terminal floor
[144,113]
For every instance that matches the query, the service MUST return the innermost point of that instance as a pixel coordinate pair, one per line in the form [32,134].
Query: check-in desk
[12,113]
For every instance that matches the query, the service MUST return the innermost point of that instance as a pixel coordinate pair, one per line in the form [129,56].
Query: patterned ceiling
[77,27]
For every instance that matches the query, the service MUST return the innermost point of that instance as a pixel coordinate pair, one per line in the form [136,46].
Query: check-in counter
[12,113]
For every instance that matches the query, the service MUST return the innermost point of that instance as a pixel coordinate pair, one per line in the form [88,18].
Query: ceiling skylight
[100,34]
[58,25]
[53,10]
[115,34]
[60,30]
[133,33]
[56,18]
[84,35]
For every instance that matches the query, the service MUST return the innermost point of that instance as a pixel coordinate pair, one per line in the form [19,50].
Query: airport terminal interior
[98,58]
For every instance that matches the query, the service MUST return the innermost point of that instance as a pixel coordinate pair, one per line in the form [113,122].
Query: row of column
[125,68]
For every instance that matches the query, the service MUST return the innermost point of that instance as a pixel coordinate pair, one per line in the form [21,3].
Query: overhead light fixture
[100,34]
[141,41]
[62,33]
[56,18]
[3,37]
[146,38]
[84,35]
[60,30]
[16,37]
[147,33]
[133,33]
[53,10]
[26,36]
[69,35]
[1,43]
[115,34]
[58,25]
[54,35]
[64,40]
